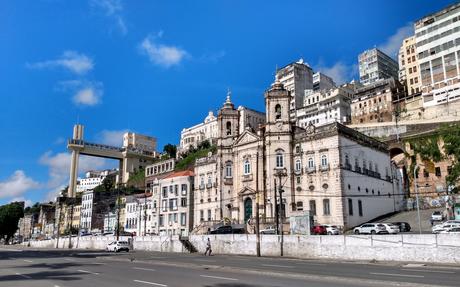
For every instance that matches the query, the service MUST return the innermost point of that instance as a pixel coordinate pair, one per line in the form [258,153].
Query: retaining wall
[441,248]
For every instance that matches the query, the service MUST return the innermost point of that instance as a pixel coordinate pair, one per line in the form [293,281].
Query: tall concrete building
[409,68]
[296,78]
[374,65]
[437,38]
[322,82]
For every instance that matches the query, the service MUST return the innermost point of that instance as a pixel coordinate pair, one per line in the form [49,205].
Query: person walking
[208,247]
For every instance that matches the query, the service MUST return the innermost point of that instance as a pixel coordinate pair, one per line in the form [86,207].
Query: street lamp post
[416,197]
[280,173]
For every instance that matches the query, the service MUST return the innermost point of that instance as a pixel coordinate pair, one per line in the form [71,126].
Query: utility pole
[71,219]
[418,202]
[59,223]
[257,207]
[145,213]
[280,189]
[118,213]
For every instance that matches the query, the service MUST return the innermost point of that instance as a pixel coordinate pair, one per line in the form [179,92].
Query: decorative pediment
[246,191]
[246,137]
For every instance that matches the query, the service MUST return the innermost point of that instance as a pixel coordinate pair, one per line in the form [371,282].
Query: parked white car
[436,216]
[117,246]
[445,226]
[332,229]
[454,230]
[391,228]
[370,228]
[268,230]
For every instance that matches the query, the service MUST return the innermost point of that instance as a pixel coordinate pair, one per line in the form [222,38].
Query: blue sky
[155,67]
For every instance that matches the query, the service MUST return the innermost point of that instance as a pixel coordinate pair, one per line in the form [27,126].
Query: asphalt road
[74,268]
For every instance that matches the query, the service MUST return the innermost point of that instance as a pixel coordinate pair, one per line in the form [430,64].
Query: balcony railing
[201,186]
[325,167]
[208,185]
[311,169]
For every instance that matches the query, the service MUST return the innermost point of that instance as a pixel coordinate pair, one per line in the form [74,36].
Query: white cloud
[59,167]
[89,96]
[73,61]
[111,137]
[112,9]
[85,93]
[393,43]
[17,184]
[160,54]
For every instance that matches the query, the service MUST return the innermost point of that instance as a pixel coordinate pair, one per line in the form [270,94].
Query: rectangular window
[165,191]
[161,219]
[350,207]
[438,70]
[165,205]
[209,214]
[438,171]
[184,189]
[201,215]
[360,208]
[425,71]
[183,218]
[313,207]
[176,190]
[183,202]
[451,65]
[326,207]
[426,173]
[173,204]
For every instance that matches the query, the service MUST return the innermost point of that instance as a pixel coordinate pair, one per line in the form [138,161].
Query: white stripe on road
[30,261]
[146,269]
[150,283]
[218,277]
[86,271]
[25,276]
[400,275]
[70,259]
[274,265]
[11,249]
[428,271]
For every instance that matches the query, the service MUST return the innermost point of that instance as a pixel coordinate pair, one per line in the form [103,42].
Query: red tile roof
[181,173]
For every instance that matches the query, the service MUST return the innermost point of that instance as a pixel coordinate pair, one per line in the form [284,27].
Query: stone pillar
[76,140]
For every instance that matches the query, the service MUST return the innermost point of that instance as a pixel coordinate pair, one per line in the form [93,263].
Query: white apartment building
[207,130]
[322,82]
[175,212]
[326,106]
[207,197]
[86,210]
[92,179]
[296,78]
[374,65]
[437,38]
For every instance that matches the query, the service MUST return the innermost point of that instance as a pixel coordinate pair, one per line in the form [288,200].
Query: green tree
[171,150]
[9,218]
[32,209]
[107,184]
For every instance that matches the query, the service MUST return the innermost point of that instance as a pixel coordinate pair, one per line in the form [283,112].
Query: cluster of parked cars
[382,228]
[449,226]
[325,229]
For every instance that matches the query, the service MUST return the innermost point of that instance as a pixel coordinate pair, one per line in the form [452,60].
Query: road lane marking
[24,276]
[274,265]
[70,259]
[218,277]
[146,269]
[400,275]
[30,261]
[428,271]
[205,260]
[86,271]
[150,283]
[11,249]
[98,263]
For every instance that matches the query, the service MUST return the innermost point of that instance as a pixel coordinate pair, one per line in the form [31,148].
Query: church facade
[339,175]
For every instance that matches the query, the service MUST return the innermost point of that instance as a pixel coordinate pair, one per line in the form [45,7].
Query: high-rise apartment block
[374,65]
[322,82]
[437,38]
[409,69]
[296,78]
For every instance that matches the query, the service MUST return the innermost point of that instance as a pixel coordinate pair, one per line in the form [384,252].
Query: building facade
[316,167]
[437,38]
[409,68]
[326,106]
[322,82]
[207,130]
[93,178]
[374,65]
[377,102]
[296,78]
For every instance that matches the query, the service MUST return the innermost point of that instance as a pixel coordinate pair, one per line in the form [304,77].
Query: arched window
[311,163]
[228,170]
[298,165]
[247,167]
[229,128]
[279,160]
[324,160]
[278,112]
[347,160]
